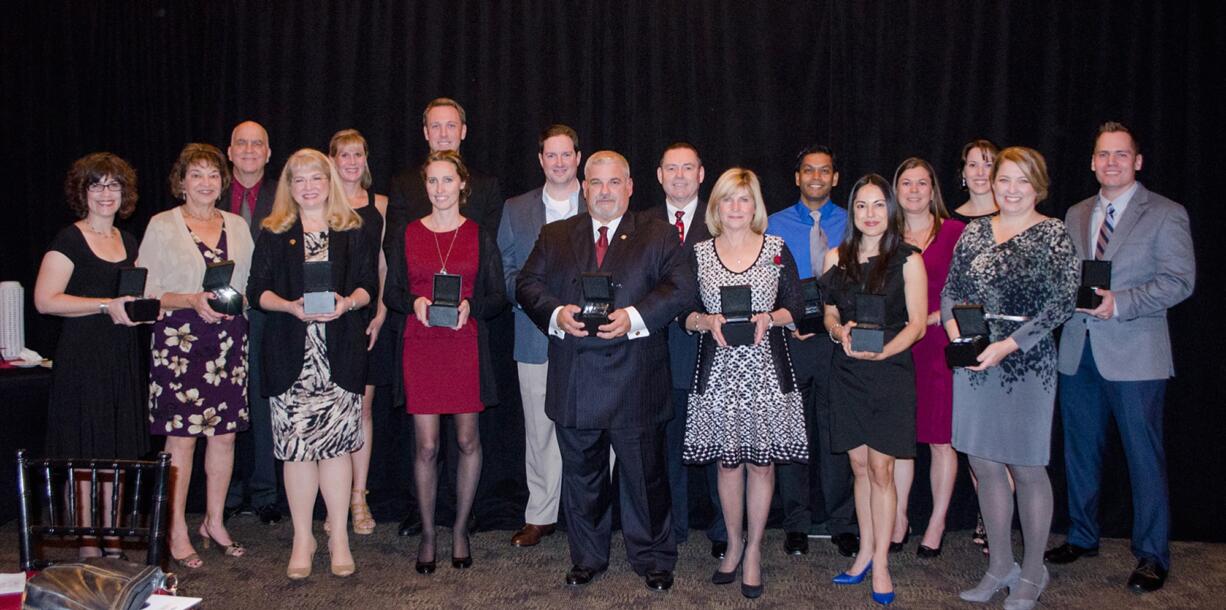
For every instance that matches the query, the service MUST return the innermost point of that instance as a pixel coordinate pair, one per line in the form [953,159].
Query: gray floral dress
[1004,413]
[315,419]
[198,373]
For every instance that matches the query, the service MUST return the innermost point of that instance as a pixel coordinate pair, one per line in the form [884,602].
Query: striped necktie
[817,243]
[1104,232]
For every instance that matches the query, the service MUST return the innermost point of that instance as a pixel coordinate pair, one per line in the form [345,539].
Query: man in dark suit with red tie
[611,387]
[680,174]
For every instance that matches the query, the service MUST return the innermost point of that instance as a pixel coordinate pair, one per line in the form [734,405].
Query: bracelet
[104,307]
[771,322]
[830,333]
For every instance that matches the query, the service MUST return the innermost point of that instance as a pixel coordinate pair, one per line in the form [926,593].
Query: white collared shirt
[638,328]
[1100,212]
[688,213]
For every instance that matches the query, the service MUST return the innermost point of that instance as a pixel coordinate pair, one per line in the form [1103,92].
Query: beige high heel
[303,572]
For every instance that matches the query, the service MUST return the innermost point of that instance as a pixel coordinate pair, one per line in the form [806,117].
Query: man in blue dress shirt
[810,227]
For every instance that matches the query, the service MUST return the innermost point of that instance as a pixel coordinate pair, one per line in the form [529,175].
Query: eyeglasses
[98,187]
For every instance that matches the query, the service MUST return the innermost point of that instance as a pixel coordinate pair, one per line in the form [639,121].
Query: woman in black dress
[96,385]
[978,157]
[349,153]
[872,394]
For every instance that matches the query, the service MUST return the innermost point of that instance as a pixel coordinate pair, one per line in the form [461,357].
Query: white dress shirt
[638,328]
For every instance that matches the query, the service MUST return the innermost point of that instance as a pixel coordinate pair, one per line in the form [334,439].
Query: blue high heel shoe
[853,579]
[884,599]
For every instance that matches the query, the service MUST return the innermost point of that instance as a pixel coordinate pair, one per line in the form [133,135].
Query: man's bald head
[249,151]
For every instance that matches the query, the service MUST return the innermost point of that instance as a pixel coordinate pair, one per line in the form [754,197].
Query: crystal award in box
[226,300]
[736,305]
[972,339]
[597,301]
[131,283]
[811,322]
[445,301]
[317,295]
[868,335]
[1094,274]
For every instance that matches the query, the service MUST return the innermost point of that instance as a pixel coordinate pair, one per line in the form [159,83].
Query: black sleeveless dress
[97,404]
[873,402]
[380,366]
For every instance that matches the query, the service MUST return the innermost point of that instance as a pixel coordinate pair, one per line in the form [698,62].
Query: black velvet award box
[317,288]
[736,305]
[597,301]
[811,322]
[445,301]
[1094,274]
[973,336]
[131,283]
[868,335]
[226,300]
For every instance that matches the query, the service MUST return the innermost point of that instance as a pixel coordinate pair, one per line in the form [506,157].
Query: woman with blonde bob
[745,408]
[316,374]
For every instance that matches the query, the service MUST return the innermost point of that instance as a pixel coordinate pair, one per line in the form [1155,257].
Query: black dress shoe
[796,543]
[1147,577]
[898,546]
[578,576]
[268,514]
[848,543]
[723,578]
[659,580]
[924,552]
[752,591]
[411,526]
[718,549]
[425,567]
[1068,553]
[462,563]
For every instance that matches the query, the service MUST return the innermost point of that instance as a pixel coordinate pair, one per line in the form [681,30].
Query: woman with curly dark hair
[95,397]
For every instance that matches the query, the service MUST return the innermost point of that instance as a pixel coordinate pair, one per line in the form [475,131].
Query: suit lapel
[619,242]
[1132,215]
[1079,226]
[582,244]
[698,226]
[536,213]
[297,248]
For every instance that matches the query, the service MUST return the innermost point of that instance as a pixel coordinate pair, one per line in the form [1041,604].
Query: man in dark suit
[444,125]
[680,174]
[1115,359]
[254,485]
[610,387]
[522,218]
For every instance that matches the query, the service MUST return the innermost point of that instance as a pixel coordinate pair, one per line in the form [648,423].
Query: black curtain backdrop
[749,83]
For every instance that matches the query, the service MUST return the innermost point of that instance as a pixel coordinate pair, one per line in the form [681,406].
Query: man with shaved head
[254,486]
[610,385]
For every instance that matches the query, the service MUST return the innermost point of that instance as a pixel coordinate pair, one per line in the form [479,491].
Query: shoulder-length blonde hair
[284,213]
[730,182]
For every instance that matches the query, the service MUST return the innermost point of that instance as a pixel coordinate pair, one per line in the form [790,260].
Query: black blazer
[407,200]
[263,203]
[683,346]
[488,300]
[276,266]
[596,383]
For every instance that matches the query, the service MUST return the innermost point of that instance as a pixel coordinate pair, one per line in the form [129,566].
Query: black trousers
[646,510]
[835,506]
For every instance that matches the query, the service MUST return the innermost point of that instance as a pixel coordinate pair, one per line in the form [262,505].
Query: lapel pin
[623,236]
[293,242]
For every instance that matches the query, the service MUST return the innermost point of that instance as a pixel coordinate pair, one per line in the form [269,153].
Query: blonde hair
[730,182]
[340,216]
[345,137]
[1033,167]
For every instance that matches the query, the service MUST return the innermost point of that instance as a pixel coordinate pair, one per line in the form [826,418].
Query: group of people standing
[664,377]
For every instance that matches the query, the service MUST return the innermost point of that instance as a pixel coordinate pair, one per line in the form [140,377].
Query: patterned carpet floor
[504,576]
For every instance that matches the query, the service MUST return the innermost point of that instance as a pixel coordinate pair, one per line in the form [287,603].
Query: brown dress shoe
[530,534]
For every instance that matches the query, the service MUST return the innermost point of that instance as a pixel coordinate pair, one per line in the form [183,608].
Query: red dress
[934,382]
[441,371]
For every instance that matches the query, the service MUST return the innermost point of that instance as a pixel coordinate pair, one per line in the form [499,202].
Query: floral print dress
[198,374]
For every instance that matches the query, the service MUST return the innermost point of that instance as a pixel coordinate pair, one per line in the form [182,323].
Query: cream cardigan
[174,261]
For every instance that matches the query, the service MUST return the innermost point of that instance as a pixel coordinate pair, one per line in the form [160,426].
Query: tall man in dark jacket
[611,387]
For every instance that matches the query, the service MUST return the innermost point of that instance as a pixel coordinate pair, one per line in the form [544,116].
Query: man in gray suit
[254,486]
[1115,359]
[522,219]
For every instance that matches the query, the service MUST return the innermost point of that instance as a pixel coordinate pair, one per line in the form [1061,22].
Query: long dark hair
[887,248]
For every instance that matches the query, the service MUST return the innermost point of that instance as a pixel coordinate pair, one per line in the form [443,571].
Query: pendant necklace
[442,260]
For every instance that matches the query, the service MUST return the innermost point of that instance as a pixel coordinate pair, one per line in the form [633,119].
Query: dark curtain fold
[749,83]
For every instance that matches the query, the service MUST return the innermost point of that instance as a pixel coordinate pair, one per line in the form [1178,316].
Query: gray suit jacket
[522,219]
[1152,269]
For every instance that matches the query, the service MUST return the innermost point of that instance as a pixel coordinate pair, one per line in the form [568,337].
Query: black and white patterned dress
[1004,413]
[315,419]
[745,405]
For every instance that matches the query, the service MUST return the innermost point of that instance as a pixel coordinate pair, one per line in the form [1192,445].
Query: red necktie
[602,245]
[680,224]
